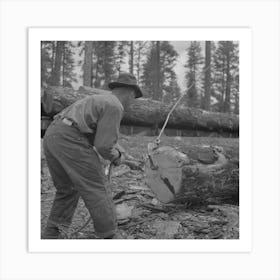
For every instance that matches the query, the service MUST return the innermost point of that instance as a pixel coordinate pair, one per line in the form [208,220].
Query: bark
[145,112]
[223,83]
[88,64]
[198,174]
[228,83]
[157,94]
[55,78]
[97,79]
[63,65]
[131,61]
[141,45]
[106,64]
[53,55]
[236,104]
[207,85]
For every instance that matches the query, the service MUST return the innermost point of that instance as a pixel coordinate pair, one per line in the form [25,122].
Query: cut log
[144,112]
[200,174]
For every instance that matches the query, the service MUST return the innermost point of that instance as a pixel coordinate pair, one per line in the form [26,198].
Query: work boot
[117,235]
[51,233]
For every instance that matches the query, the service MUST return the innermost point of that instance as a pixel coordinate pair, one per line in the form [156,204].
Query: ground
[140,214]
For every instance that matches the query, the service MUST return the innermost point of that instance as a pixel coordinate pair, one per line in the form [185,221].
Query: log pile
[144,112]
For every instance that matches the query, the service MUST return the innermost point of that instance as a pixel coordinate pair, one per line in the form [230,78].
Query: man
[75,166]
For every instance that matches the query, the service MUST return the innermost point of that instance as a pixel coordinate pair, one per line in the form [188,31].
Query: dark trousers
[77,171]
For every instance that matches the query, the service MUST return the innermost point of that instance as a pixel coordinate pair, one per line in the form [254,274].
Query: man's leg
[66,197]
[90,181]
[83,167]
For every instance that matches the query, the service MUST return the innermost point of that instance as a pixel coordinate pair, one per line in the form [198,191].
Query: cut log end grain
[202,174]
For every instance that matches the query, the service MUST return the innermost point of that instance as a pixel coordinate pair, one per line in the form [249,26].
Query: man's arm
[107,132]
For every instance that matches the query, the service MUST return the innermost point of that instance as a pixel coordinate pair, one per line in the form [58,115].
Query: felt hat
[126,80]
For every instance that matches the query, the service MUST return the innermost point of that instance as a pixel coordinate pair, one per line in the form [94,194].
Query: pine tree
[226,72]
[97,68]
[236,94]
[147,78]
[87,67]
[56,73]
[207,75]
[192,74]
[47,60]
[120,53]
[104,64]
[171,91]
[136,51]
[140,51]
[131,57]
[169,83]
[57,63]
[68,64]
[228,53]
[108,65]
[235,78]
[166,82]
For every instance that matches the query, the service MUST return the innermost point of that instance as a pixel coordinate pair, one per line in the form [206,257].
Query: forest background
[207,72]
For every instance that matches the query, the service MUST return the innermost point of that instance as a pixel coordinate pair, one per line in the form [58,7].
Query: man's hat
[126,80]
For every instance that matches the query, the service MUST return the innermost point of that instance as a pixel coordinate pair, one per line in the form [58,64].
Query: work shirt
[99,115]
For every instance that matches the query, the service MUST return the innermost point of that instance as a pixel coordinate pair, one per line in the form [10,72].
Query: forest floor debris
[140,214]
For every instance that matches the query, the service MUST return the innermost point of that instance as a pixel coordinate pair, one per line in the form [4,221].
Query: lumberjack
[75,166]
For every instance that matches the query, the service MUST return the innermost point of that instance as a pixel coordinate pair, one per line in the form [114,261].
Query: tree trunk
[138,64]
[97,79]
[157,93]
[55,79]
[88,64]
[53,56]
[198,174]
[236,104]
[223,84]
[131,62]
[207,85]
[145,112]
[106,64]
[63,66]
[228,81]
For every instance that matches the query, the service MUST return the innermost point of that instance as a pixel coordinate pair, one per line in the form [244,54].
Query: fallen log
[144,112]
[199,174]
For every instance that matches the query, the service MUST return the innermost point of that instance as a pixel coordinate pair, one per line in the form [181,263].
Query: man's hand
[119,160]
[153,146]
[121,155]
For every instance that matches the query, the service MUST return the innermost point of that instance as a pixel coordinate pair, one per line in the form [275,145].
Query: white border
[243,35]
[262,262]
